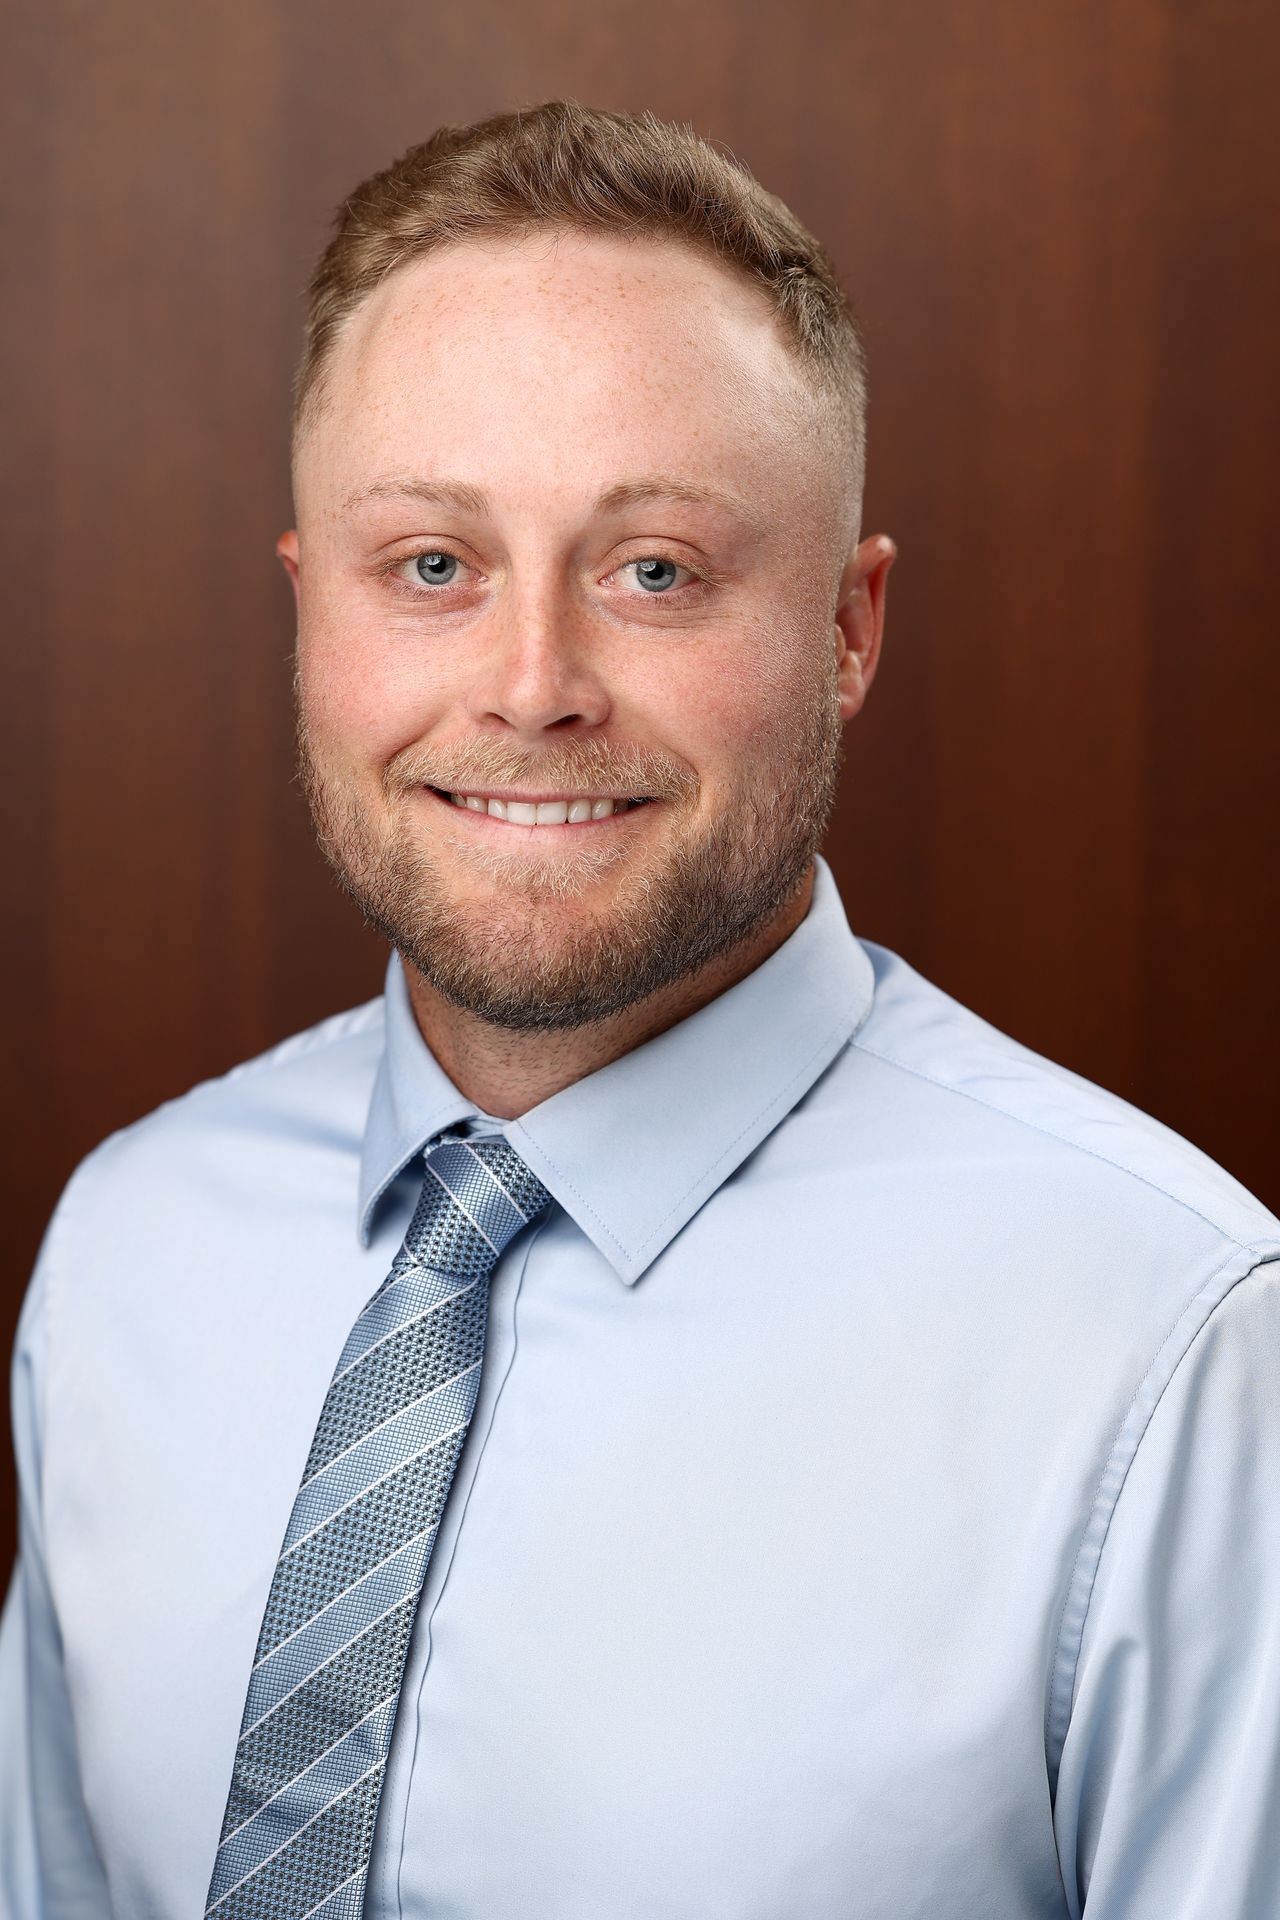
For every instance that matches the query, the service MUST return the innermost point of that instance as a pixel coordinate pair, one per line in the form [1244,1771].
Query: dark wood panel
[1059,225]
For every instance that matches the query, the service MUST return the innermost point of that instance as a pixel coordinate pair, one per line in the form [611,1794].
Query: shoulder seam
[1051,1133]
[329,1032]
[337,1030]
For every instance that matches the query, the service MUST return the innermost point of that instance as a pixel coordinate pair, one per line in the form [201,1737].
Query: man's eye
[438,568]
[655,574]
[433,569]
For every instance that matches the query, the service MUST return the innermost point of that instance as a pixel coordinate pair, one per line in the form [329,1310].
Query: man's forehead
[596,316]
[450,374]
[571,273]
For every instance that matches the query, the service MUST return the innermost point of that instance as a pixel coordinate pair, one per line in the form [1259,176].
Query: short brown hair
[562,164]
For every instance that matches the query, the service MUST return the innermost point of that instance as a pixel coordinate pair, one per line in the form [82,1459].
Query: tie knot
[476,1196]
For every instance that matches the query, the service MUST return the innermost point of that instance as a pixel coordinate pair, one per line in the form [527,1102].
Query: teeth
[541,813]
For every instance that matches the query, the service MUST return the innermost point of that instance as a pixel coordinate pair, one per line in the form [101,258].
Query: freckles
[737,721]
[389,706]
[712,708]
[351,693]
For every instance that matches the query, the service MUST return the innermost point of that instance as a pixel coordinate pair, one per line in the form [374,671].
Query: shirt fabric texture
[871,1505]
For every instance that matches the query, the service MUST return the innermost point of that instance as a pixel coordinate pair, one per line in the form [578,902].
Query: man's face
[567,537]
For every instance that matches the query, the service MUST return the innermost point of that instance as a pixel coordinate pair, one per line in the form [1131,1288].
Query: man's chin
[531,958]
[522,974]
[520,925]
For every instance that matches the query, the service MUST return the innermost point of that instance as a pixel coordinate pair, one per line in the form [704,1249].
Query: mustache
[580,766]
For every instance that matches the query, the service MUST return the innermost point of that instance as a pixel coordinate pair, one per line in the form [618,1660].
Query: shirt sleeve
[49,1866]
[1168,1799]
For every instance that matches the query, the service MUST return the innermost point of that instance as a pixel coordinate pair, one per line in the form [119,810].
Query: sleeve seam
[1237,1265]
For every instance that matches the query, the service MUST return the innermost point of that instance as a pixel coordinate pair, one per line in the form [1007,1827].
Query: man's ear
[859,619]
[287,548]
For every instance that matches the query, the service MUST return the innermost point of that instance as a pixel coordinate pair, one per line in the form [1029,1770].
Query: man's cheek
[360,704]
[719,722]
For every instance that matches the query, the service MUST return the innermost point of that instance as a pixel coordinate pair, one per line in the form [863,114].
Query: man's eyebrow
[630,493]
[624,493]
[435,493]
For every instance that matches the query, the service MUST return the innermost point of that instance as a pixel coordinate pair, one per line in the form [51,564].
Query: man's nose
[537,669]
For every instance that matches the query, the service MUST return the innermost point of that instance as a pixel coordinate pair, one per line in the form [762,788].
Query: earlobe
[852,682]
[288,551]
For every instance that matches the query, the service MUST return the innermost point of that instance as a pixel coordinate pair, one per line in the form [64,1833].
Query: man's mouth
[542,810]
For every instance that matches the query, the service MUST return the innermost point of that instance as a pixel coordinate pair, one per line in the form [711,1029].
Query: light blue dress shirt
[871,1509]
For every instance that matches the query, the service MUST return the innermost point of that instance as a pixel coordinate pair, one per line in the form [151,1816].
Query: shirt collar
[633,1150]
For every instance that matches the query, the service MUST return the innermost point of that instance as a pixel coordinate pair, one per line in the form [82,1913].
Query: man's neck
[506,1073]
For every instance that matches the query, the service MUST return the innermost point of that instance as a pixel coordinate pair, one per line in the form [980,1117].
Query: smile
[534,810]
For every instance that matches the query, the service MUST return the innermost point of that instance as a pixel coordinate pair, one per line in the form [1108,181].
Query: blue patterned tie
[322,1695]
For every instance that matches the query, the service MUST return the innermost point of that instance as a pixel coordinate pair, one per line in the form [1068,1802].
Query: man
[664,1413]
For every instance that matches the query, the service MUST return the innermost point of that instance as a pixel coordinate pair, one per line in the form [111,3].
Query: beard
[526,958]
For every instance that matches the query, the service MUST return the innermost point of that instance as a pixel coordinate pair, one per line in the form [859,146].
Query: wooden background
[1059,224]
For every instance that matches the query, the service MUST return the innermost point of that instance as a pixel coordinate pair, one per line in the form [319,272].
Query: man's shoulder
[308,1091]
[322,1067]
[972,1086]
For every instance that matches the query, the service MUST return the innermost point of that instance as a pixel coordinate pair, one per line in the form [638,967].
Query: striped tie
[322,1695]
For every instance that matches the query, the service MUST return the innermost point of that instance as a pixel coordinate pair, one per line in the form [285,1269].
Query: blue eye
[655,576]
[437,569]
